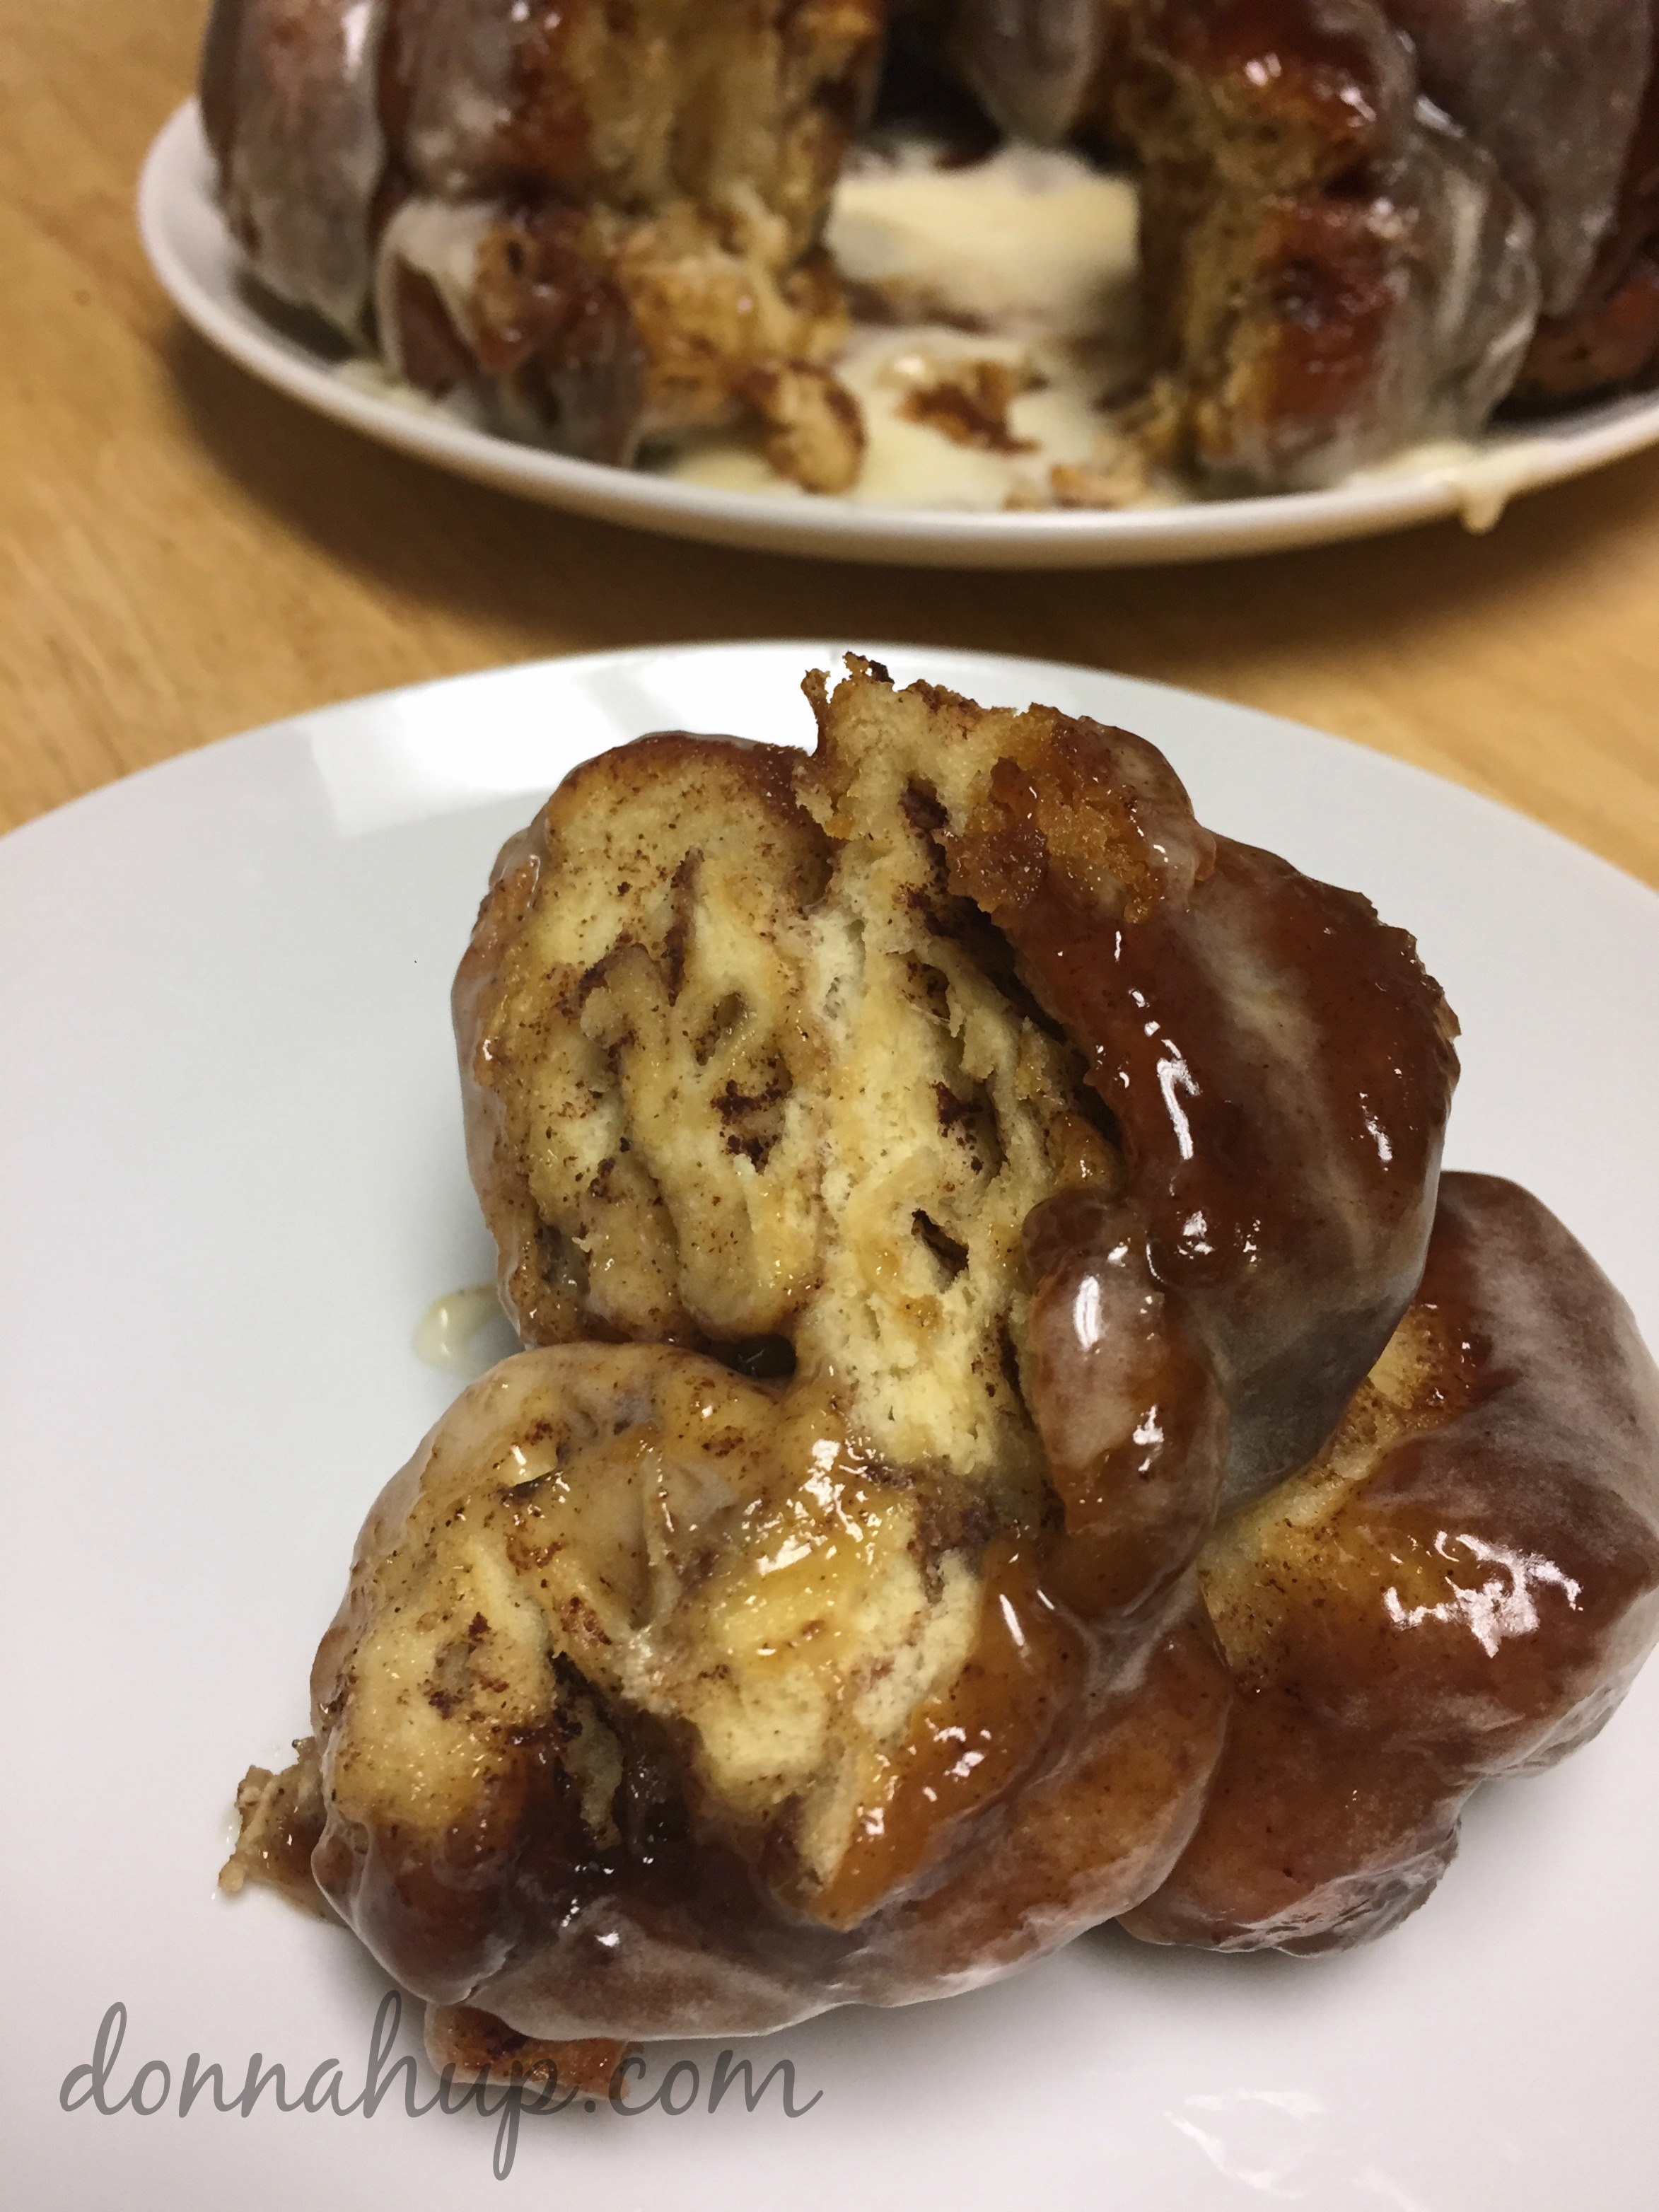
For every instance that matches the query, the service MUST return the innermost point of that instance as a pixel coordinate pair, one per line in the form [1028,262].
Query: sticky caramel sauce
[1279,1063]
[968,1746]
[1463,1589]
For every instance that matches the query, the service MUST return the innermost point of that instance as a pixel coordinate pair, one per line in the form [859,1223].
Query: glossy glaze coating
[642,191]
[1460,1587]
[1032,63]
[692,1007]
[685,915]
[1335,270]
[1610,337]
[1278,1062]
[545,1717]
[1553,90]
[1355,210]
[1276,1066]
[290,102]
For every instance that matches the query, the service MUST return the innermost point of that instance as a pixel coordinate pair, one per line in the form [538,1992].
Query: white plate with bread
[235,1182]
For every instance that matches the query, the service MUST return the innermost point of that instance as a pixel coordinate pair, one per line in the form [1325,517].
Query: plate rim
[544,665]
[918,537]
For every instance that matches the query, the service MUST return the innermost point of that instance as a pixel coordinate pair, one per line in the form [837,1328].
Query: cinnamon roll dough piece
[1356,212]
[756,1047]
[655,1709]
[1462,1587]
[656,1706]
[290,97]
[1333,269]
[1609,336]
[603,223]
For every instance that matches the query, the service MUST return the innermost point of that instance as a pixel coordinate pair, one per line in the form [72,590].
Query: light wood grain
[183,554]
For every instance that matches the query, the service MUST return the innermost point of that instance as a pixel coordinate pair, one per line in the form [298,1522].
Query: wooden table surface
[183,554]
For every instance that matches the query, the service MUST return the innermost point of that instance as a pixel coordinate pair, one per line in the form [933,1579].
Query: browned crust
[1472,1602]
[281,1819]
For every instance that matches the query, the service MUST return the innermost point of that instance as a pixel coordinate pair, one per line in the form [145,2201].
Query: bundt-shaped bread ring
[1364,222]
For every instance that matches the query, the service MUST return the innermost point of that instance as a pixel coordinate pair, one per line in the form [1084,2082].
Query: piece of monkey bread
[991,1459]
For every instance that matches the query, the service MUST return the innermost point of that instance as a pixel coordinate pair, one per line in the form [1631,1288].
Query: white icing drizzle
[1036,250]
[1484,476]
[464,1332]
[439,238]
[1028,241]
[908,464]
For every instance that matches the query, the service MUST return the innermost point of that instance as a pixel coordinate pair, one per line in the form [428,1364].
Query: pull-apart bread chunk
[602,224]
[955,1202]
[1462,1585]
[757,1046]
[1364,222]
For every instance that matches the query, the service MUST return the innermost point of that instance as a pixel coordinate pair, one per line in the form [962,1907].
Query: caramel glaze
[1463,1589]
[476,2043]
[670,1932]
[1052,1782]
[1133,1428]
[592,136]
[281,1823]
[1332,74]
[1458,1582]
[1278,1061]
[557,333]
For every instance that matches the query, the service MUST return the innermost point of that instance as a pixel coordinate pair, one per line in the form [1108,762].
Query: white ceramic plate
[231,1179]
[202,269]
